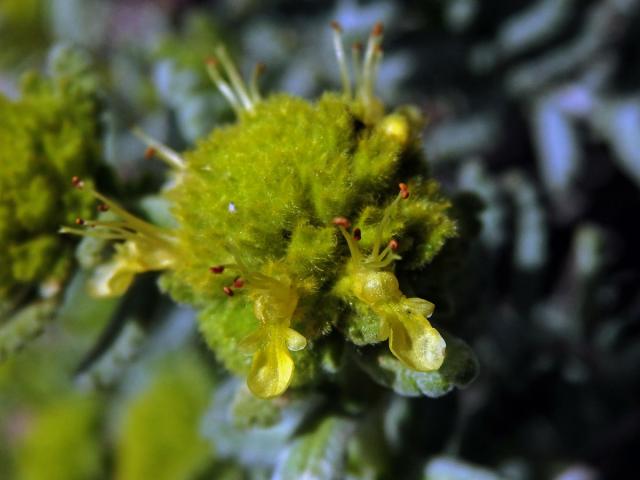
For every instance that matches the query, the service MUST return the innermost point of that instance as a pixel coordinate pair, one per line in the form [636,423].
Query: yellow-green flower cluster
[291,222]
[49,134]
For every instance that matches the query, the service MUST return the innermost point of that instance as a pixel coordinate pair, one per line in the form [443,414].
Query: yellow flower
[114,278]
[403,321]
[143,248]
[272,366]
[412,339]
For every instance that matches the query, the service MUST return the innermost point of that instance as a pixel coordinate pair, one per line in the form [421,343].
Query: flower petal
[421,306]
[415,342]
[111,279]
[271,369]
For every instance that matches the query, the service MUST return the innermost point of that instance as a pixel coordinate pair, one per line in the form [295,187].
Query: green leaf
[458,370]
[318,454]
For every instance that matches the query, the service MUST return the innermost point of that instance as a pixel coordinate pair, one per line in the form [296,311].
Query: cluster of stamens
[274,303]
[364,68]
[237,283]
[240,96]
[128,227]
[378,258]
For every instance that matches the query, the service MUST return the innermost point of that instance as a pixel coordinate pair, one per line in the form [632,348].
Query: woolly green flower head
[290,225]
[49,134]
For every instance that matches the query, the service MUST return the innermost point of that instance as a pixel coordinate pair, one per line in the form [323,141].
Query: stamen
[149,153]
[132,222]
[394,245]
[357,234]
[353,246]
[341,57]
[170,157]
[377,60]
[404,191]
[238,282]
[216,269]
[235,78]
[223,86]
[258,71]
[403,195]
[356,52]
[77,182]
[341,222]
[103,207]
[227,291]
[368,67]
[79,221]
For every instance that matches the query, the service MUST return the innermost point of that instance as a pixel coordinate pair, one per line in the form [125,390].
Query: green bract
[290,224]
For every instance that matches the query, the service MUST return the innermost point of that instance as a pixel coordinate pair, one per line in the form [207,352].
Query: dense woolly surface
[46,137]
[264,191]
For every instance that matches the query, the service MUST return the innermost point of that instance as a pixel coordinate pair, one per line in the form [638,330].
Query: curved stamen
[341,57]
[234,76]
[356,53]
[169,156]
[258,71]
[368,67]
[223,86]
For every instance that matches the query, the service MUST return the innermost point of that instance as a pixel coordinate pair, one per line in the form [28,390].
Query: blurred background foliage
[532,106]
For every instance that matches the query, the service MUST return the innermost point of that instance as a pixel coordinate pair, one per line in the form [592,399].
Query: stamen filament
[382,225]
[91,233]
[340,56]
[377,59]
[223,86]
[375,39]
[255,87]
[356,51]
[132,221]
[235,78]
[353,247]
[171,157]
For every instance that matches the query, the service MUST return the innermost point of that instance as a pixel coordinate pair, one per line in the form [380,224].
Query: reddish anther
[404,191]
[378,29]
[77,182]
[238,282]
[227,291]
[217,269]
[341,222]
[80,221]
[357,46]
[357,234]
[336,26]
[103,207]
[394,245]
[149,153]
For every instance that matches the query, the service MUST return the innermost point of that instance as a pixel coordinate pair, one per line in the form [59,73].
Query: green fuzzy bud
[47,136]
